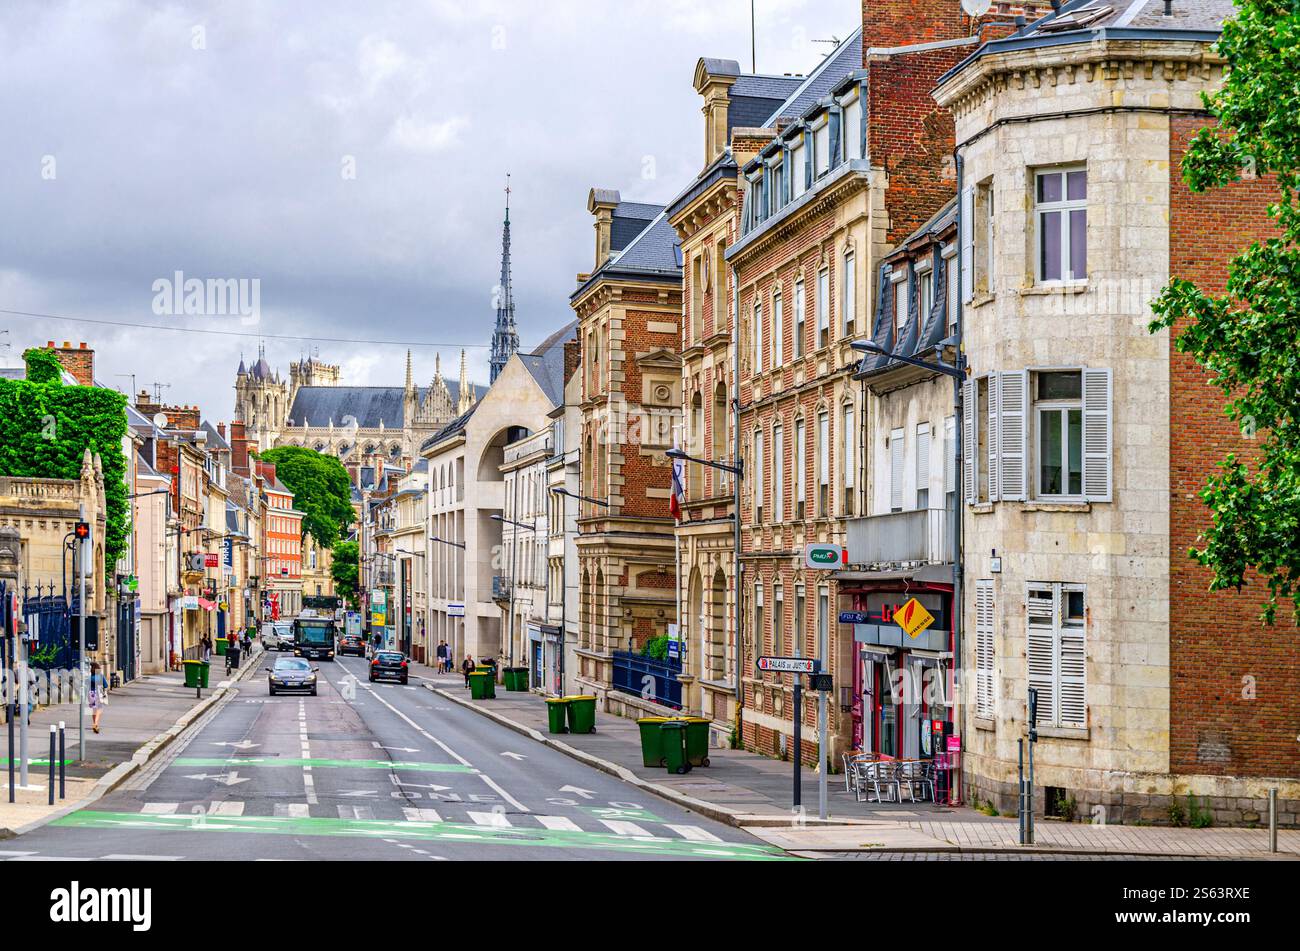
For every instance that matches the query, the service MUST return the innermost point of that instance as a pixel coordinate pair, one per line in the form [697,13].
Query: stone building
[1093,435]
[629,323]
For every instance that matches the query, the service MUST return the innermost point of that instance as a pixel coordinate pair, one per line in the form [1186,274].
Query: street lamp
[560,490]
[736,469]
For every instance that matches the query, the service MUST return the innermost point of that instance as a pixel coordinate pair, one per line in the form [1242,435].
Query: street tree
[343,569]
[1248,337]
[320,487]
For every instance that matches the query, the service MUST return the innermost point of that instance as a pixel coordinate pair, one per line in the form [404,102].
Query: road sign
[817,555]
[455,609]
[854,617]
[823,682]
[790,665]
[913,618]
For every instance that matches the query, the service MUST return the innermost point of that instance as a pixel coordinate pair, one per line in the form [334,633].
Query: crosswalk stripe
[293,810]
[559,823]
[15,853]
[233,807]
[356,812]
[693,833]
[618,827]
[414,814]
[497,819]
[130,857]
[160,808]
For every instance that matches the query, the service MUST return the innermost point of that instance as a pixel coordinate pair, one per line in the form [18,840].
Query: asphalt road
[378,771]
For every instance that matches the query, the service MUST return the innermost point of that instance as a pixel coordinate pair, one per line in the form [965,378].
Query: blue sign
[853,617]
[674,650]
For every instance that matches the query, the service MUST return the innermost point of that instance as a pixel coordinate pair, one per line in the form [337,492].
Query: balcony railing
[922,536]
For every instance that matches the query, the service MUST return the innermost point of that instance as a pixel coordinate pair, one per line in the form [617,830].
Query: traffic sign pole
[798,742]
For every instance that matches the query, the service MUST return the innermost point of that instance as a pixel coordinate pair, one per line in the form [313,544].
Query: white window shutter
[922,457]
[1040,653]
[994,438]
[949,459]
[896,447]
[984,649]
[970,443]
[1097,445]
[967,243]
[1013,411]
[1072,678]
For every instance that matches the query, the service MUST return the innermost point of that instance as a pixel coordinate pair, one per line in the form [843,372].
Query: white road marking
[496,819]
[15,853]
[293,810]
[129,857]
[414,814]
[504,795]
[619,827]
[233,807]
[559,823]
[693,833]
[356,812]
[159,808]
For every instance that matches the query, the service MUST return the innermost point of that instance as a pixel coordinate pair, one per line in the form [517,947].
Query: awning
[930,574]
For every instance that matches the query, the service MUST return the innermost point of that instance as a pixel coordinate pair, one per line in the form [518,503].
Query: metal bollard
[9,708]
[63,741]
[52,764]
[1272,819]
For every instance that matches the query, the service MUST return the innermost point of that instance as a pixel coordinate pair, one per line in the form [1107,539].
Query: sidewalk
[140,719]
[755,792]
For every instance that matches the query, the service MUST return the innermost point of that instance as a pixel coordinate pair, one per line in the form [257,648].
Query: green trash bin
[556,713]
[516,678]
[222,644]
[652,742]
[697,740]
[196,673]
[582,714]
[481,686]
[673,734]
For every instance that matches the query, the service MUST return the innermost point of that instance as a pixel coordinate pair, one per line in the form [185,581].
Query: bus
[313,637]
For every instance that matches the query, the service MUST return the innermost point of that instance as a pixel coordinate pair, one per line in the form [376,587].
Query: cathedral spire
[410,379]
[505,339]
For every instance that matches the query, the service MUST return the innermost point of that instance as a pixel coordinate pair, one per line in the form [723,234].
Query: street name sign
[913,618]
[817,555]
[790,665]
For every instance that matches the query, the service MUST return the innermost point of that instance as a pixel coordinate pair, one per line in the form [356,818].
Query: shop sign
[822,556]
[913,618]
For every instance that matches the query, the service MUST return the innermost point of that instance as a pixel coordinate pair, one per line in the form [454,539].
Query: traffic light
[82,531]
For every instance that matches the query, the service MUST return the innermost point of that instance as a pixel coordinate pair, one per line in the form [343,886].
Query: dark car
[352,644]
[291,673]
[390,665]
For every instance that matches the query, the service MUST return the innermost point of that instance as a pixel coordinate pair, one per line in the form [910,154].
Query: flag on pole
[679,492]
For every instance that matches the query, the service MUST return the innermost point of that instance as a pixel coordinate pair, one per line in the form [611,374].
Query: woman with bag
[97,698]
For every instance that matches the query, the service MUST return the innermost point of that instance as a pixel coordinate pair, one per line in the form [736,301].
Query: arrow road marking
[395,749]
[225,779]
[359,792]
[584,793]
[241,745]
[515,756]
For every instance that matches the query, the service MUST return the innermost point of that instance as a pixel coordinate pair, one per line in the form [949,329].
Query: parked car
[268,636]
[283,636]
[291,673]
[352,644]
[389,665]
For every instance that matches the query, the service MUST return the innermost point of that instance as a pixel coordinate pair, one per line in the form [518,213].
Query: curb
[141,757]
[739,820]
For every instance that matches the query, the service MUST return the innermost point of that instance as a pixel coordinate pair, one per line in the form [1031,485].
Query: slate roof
[215,439]
[629,220]
[841,61]
[754,97]
[546,363]
[367,404]
[454,428]
[654,253]
[261,369]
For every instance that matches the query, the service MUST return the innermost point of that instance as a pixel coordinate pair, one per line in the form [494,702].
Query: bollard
[51,764]
[1272,819]
[63,745]
[9,709]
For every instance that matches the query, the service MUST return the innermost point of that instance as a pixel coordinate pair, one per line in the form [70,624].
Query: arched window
[719,436]
[695,438]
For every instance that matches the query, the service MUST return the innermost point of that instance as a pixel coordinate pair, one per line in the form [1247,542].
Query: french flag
[679,492]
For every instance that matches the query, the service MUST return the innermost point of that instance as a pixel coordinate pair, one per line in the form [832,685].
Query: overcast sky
[349,156]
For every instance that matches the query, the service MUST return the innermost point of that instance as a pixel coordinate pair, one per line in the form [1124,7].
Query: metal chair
[914,775]
[874,776]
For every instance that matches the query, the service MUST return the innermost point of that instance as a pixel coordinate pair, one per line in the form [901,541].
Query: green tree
[1248,338]
[343,569]
[320,488]
[46,428]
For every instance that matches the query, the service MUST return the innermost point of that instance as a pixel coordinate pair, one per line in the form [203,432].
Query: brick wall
[78,360]
[1216,640]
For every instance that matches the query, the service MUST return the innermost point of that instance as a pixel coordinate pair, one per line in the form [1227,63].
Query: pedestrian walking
[442,656]
[206,645]
[446,658]
[97,698]
[467,668]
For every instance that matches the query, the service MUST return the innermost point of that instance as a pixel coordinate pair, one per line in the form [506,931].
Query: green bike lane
[378,772]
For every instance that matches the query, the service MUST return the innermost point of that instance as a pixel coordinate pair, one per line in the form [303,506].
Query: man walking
[442,656]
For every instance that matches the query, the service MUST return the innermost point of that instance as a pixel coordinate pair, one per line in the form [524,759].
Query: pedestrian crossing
[489,819]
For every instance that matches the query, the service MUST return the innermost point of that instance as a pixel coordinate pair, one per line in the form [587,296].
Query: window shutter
[993,440]
[896,447]
[1039,652]
[949,458]
[1072,677]
[923,457]
[970,444]
[984,649]
[834,135]
[1097,450]
[809,160]
[967,243]
[1013,403]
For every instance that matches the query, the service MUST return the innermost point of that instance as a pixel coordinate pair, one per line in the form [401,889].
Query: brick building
[1093,435]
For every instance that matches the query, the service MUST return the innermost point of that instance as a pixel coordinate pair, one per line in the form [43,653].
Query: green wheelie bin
[196,673]
[673,733]
[516,678]
[652,741]
[556,713]
[582,714]
[222,644]
[697,740]
[481,685]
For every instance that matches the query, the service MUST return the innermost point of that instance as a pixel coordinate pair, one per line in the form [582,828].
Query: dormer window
[851,132]
[798,156]
[822,148]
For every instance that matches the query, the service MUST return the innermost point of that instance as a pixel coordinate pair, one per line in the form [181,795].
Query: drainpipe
[736,480]
[958,568]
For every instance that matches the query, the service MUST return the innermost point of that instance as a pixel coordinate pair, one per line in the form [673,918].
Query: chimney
[221,430]
[78,361]
[601,202]
[713,81]
[572,358]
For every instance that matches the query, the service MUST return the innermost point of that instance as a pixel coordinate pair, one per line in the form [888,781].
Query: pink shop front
[902,700]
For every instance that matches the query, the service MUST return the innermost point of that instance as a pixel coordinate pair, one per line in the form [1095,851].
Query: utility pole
[81,652]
